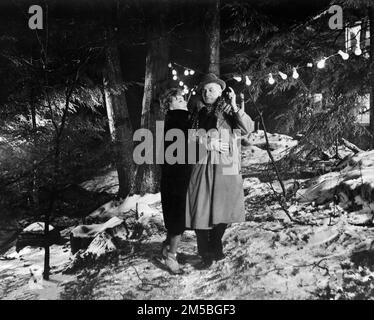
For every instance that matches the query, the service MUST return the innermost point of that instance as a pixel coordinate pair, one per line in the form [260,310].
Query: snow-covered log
[33,235]
[101,245]
[353,184]
[142,213]
[82,237]
[351,146]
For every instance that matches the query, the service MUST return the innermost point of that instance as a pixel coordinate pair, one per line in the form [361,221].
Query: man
[215,195]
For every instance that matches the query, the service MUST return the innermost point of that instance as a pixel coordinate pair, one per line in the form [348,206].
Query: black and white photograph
[203,152]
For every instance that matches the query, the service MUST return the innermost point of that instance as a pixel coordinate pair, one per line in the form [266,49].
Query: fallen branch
[351,146]
[270,154]
[313,265]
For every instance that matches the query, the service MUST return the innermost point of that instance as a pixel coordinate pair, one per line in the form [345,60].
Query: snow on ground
[16,279]
[267,257]
[256,153]
[147,208]
[353,185]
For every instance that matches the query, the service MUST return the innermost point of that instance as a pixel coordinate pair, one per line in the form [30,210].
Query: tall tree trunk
[156,80]
[118,116]
[371,18]
[213,36]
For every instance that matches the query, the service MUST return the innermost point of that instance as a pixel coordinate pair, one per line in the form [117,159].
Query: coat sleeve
[244,122]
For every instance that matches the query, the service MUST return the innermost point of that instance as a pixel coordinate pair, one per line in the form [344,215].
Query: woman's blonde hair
[165,98]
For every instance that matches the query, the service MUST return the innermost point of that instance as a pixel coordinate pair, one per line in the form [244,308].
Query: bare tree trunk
[46,249]
[156,80]
[59,131]
[118,116]
[371,18]
[213,36]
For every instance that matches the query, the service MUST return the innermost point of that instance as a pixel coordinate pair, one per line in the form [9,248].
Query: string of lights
[186,72]
[271,77]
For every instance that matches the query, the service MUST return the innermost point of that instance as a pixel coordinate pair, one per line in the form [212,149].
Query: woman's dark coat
[175,177]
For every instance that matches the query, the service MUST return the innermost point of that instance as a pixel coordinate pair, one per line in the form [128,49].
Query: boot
[165,248]
[216,241]
[172,264]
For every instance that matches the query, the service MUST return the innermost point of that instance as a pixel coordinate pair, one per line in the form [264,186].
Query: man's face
[210,92]
[178,103]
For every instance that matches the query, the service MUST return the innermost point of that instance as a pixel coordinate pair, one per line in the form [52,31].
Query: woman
[215,195]
[174,178]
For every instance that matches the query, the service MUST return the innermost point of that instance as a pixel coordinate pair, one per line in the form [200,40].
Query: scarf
[205,115]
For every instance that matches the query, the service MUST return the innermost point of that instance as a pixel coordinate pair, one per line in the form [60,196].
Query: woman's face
[210,92]
[178,103]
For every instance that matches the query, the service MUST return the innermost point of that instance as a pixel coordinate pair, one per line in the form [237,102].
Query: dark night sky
[282,10]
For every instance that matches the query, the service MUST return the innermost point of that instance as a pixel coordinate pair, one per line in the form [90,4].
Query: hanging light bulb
[321,64]
[181,83]
[295,74]
[271,79]
[192,72]
[358,51]
[169,65]
[248,82]
[175,78]
[193,93]
[283,75]
[343,54]
[237,78]
[186,72]
[174,72]
[309,65]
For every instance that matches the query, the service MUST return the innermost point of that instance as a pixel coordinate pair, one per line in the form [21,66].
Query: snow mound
[146,200]
[82,236]
[119,209]
[256,153]
[353,185]
[37,227]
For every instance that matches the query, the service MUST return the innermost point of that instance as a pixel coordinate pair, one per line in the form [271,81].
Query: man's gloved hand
[218,145]
[232,106]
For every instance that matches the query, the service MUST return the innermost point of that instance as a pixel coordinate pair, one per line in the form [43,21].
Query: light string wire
[248,78]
